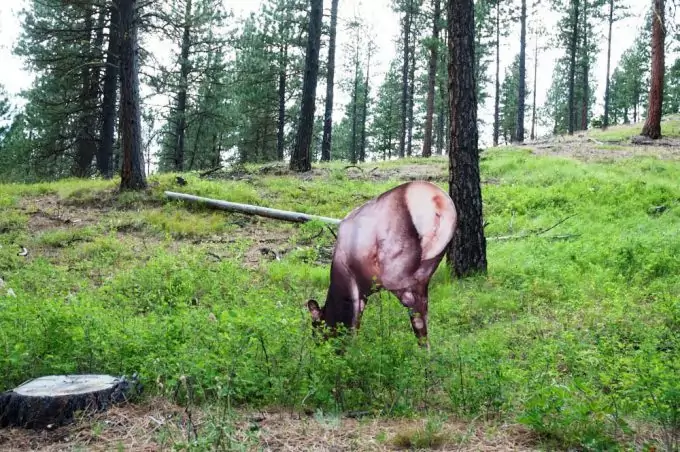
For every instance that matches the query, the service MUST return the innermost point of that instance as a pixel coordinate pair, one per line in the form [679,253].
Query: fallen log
[248,209]
[52,401]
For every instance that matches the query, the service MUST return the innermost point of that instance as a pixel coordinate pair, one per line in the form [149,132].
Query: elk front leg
[415,300]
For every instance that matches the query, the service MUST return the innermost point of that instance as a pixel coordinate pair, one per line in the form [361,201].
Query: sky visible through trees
[379,14]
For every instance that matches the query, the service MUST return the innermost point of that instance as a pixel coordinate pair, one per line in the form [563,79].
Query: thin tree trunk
[443,110]
[364,113]
[586,68]
[572,63]
[132,173]
[605,122]
[355,100]
[105,152]
[467,251]
[521,96]
[183,88]
[411,99]
[497,96]
[328,114]
[440,132]
[432,80]
[280,136]
[652,127]
[404,80]
[533,103]
[301,160]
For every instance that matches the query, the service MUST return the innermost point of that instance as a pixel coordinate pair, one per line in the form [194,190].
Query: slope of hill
[570,341]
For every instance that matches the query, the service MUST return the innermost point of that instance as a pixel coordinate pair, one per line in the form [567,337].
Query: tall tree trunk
[533,102]
[432,80]
[467,251]
[328,114]
[521,96]
[405,79]
[355,101]
[132,173]
[440,132]
[443,118]
[411,99]
[364,112]
[652,127]
[572,63]
[605,122]
[183,88]
[280,136]
[301,160]
[585,69]
[105,151]
[85,145]
[497,95]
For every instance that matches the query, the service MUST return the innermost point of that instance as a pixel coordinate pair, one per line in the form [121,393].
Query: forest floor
[123,282]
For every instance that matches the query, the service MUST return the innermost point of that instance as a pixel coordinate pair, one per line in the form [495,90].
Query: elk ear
[315,310]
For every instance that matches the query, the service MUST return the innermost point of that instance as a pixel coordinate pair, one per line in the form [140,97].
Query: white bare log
[249,209]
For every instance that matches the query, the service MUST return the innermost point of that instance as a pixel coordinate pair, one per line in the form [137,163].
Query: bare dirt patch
[50,212]
[581,147]
[159,424]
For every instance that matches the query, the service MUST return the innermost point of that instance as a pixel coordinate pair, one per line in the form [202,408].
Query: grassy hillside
[573,336]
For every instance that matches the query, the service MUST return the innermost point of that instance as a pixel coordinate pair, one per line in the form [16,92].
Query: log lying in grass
[248,209]
[52,401]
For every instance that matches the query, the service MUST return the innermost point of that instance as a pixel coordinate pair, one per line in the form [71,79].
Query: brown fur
[393,242]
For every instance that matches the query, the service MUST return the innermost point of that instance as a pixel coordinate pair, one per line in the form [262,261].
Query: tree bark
[404,80]
[521,96]
[280,136]
[301,160]
[105,151]
[467,251]
[432,80]
[585,69]
[572,63]
[652,127]
[183,88]
[328,114]
[132,172]
[497,96]
[605,122]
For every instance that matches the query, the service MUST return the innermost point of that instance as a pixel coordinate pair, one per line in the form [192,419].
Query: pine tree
[193,29]
[386,124]
[521,96]
[330,85]
[467,252]
[652,127]
[616,12]
[132,174]
[301,159]
[64,103]
[433,44]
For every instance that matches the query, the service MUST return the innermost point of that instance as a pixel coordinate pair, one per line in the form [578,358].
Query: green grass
[578,338]
[670,128]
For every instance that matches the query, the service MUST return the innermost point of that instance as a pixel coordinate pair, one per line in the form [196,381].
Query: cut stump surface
[51,401]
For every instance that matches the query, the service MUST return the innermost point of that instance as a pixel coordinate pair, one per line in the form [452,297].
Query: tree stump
[52,401]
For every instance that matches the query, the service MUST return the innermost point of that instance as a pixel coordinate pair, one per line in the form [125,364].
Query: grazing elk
[394,242]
